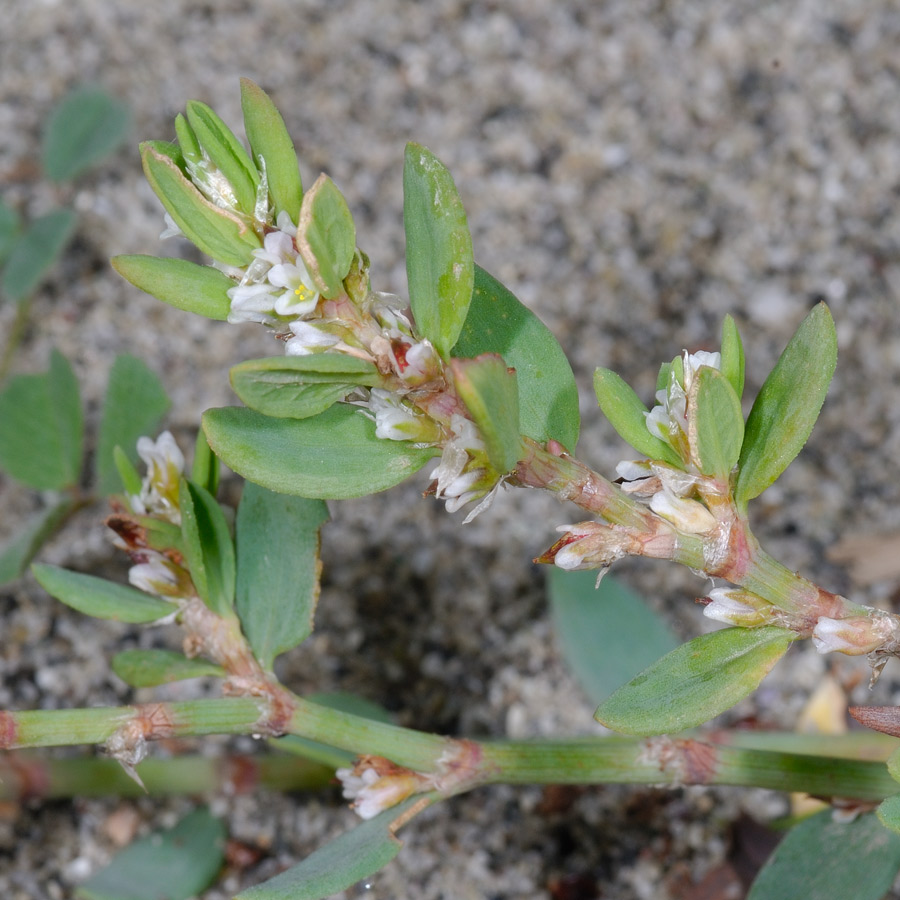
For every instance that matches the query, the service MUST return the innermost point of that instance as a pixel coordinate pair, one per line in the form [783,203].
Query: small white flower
[453,483]
[372,793]
[159,490]
[693,363]
[728,605]
[854,635]
[300,296]
[689,516]
[308,339]
[396,421]
[422,363]
[252,303]
[154,576]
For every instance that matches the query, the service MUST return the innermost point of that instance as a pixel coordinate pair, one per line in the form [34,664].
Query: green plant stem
[414,749]
[747,565]
[655,761]
[611,760]
[26,775]
[66,727]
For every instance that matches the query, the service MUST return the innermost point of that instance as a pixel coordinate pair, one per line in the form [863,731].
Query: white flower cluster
[668,419]
[159,489]
[154,572]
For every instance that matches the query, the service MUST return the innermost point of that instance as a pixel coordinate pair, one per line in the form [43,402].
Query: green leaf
[135,402]
[439,262]
[270,140]
[36,250]
[821,859]
[101,598]
[889,813]
[326,236]
[490,394]
[205,467]
[323,753]
[625,411]
[695,682]
[788,405]
[732,366]
[331,456]
[65,401]
[86,125]
[149,668]
[217,232]
[42,434]
[187,141]
[715,424]
[893,765]
[128,476]
[354,855]
[208,547]
[18,553]
[297,387]
[182,284]
[278,569]
[10,229]
[608,634]
[174,864]
[548,396]
[226,153]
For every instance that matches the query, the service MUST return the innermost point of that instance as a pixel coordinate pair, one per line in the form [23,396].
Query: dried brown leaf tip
[879,718]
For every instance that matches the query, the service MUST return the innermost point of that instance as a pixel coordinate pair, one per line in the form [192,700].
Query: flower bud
[854,636]
[589,545]
[689,516]
[737,607]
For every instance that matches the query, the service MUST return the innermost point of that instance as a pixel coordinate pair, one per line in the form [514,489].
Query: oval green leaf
[135,402]
[788,405]
[205,466]
[715,424]
[174,864]
[218,233]
[269,140]
[208,547]
[36,249]
[297,387]
[278,569]
[331,456]
[607,633]
[695,682]
[182,284]
[889,813]
[326,236]
[732,365]
[625,411]
[41,439]
[149,668]
[101,598]
[489,391]
[548,396]
[828,860]
[86,125]
[338,865]
[439,261]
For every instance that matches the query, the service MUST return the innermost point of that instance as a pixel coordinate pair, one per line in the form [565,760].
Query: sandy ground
[633,171]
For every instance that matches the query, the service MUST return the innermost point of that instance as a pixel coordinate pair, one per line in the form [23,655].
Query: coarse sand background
[633,171]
